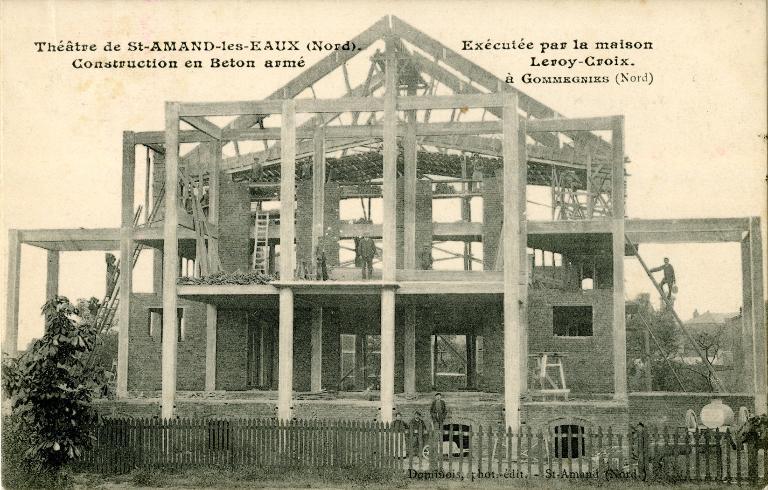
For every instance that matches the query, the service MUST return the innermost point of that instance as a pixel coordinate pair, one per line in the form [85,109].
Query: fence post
[752,461]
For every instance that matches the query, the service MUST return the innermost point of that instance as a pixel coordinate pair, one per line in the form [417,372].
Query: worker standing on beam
[669,278]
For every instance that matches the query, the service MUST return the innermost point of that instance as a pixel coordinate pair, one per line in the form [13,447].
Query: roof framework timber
[463,77]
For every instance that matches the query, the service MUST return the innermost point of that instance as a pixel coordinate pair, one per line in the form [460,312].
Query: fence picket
[122,444]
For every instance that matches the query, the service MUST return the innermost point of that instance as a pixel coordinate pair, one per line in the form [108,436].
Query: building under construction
[530,328]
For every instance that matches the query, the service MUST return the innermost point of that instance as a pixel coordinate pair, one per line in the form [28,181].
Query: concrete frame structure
[538,124]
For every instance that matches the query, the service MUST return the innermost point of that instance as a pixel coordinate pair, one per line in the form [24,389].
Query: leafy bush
[50,389]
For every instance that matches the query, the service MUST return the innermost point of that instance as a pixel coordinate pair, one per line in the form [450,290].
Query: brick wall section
[144,351]
[462,409]
[331,222]
[589,360]
[235,225]
[304,223]
[231,349]
[493,217]
[423,217]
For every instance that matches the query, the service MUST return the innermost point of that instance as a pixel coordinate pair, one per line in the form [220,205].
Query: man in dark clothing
[419,430]
[367,253]
[321,272]
[399,428]
[425,258]
[111,273]
[438,411]
[669,277]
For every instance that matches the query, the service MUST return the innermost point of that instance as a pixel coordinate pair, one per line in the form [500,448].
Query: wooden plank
[342,104]
[562,125]
[204,125]
[236,108]
[460,101]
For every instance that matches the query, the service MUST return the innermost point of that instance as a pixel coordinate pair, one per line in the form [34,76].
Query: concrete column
[511,253]
[619,318]
[409,188]
[746,349]
[316,381]
[758,318]
[285,356]
[409,351]
[170,259]
[211,311]
[389,186]
[522,250]
[11,341]
[387,353]
[52,275]
[318,188]
[287,257]
[126,262]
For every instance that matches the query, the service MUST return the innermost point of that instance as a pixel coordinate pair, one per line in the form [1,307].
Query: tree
[51,387]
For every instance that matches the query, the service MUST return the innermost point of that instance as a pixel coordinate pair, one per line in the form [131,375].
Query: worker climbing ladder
[108,306]
[718,384]
[261,247]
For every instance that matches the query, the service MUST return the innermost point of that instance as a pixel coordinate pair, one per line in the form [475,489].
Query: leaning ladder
[717,382]
[261,247]
[108,308]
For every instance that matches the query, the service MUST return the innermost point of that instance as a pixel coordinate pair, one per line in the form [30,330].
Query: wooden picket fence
[123,444]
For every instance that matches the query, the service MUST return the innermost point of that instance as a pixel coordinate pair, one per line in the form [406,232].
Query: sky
[695,136]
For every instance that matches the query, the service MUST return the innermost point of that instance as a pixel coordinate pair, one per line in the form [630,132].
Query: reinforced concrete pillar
[211,311]
[126,262]
[52,275]
[287,258]
[409,188]
[512,241]
[170,260]
[409,351]
[316,374]
[11,341]
[747,325]
[387,353]
[619,315]
[285,356]
[758,319]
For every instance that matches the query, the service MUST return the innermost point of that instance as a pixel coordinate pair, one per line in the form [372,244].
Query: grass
[351,477]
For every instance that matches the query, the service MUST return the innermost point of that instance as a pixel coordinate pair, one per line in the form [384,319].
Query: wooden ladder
[545,362]
[261,247]
[718,384]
